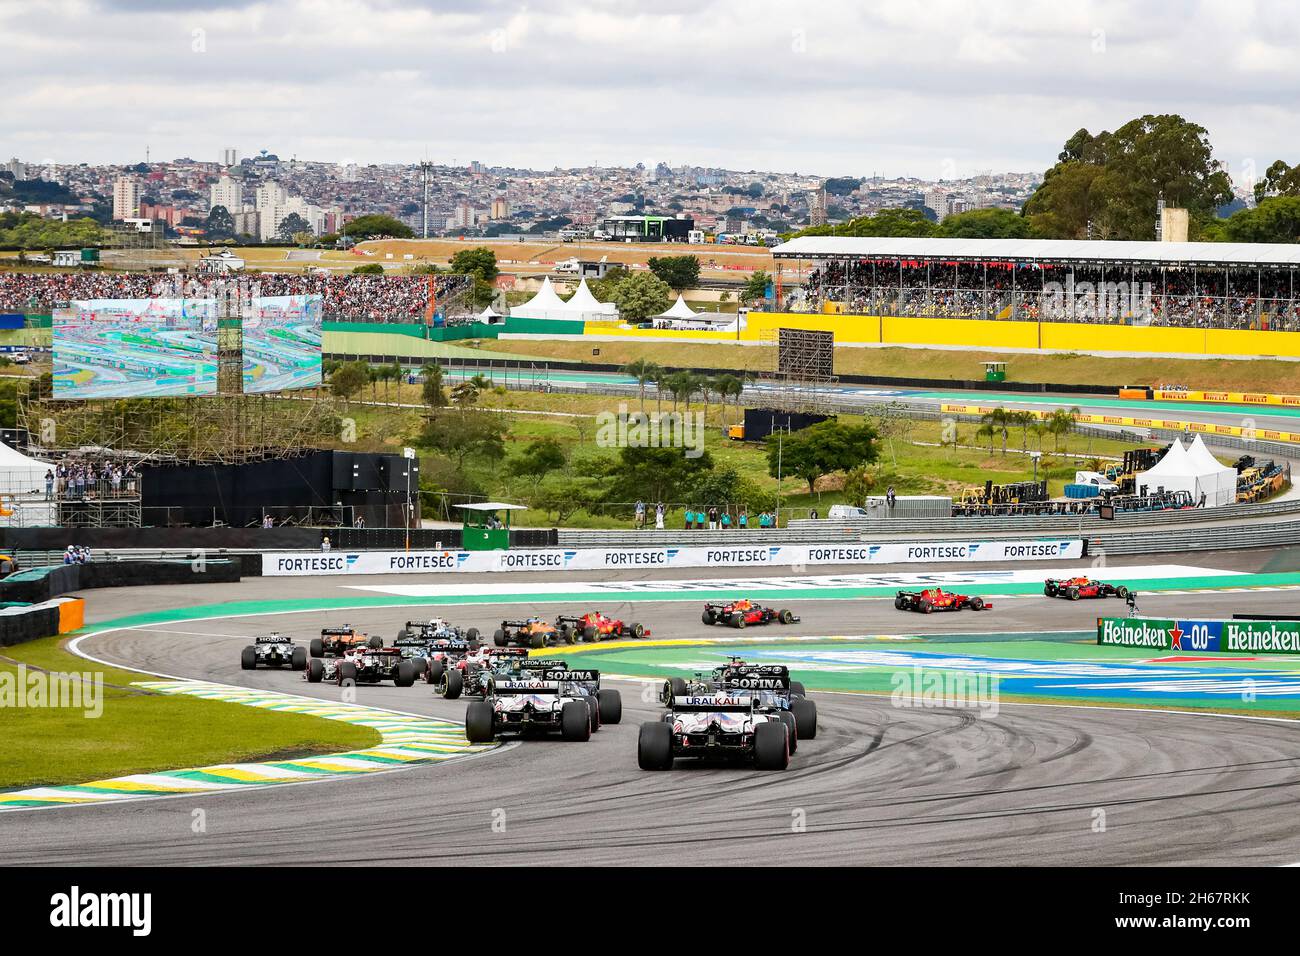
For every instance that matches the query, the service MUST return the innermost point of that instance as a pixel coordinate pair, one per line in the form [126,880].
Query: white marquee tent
[20,474]
[548,305]
[1193,470]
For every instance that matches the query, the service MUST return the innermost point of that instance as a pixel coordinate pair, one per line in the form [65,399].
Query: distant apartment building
[227,192]
[275,205]
[247,222]
[229,157]
[17,168]
[500,208]
[126,198]
[817,207]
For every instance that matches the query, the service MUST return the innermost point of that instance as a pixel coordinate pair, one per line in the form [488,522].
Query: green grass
[1268,375]
[140,732]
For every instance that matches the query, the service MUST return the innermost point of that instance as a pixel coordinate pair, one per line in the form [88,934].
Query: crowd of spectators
[357,298]
[1181,297]
[701,517]
[78,478]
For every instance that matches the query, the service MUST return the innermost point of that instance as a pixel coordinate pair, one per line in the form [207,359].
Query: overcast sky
[946,88]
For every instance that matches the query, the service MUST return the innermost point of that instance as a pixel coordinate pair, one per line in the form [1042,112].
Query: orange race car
[595,626]
[337,641]
[533,632]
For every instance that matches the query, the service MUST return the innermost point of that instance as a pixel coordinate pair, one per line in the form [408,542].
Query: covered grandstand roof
[1250,254]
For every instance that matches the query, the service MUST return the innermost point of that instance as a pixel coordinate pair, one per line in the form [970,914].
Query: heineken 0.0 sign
[1237,636]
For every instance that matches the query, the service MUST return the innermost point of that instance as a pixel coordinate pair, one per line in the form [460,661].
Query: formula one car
[273,650]
[421,641]
[937,599]
[744,612]
[337,641]
[533,632]
[596,627]
[531,705]
[770,683]
[362,665]
[472,673]
[718,726]
[1082,587]
[608,703]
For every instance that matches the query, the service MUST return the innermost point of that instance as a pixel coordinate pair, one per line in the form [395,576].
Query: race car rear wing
[505,688]
[544,663]
[571,676]
[753,682]
[344,631]
[569,619]
[507,651]
[711,705]
[273,639]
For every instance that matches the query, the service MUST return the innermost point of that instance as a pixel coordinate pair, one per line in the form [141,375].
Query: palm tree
[999,420]
[989,432]
[644,372]
[1025,420]
[728,386]
[1060,423]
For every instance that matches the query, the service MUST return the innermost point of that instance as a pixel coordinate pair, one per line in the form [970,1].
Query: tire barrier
[43,584]
[20,623]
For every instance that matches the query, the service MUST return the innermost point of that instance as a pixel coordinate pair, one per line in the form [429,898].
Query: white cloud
[827,87]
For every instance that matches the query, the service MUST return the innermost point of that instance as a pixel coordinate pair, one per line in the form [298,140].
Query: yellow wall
[1235,342]
[847,328]
[1077,337]
[972,332]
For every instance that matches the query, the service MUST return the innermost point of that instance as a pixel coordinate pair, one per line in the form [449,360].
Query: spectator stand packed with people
[81,477]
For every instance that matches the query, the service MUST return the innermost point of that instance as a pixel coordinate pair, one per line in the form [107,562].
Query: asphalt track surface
[878,785]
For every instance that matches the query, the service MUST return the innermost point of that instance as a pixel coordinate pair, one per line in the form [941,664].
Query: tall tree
[480,262]
[376,225]
[821,449]
[680,272]
[645,372]
[642,295]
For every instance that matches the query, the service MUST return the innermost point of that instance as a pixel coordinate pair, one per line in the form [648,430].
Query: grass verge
[141,732]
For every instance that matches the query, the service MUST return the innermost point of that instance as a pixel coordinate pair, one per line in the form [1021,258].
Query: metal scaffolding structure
[803,378]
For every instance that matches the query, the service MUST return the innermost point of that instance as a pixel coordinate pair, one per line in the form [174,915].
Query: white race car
[724,726]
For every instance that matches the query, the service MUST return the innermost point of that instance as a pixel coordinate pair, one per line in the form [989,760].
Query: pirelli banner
[304,563]
[1230,637]
[1126,421]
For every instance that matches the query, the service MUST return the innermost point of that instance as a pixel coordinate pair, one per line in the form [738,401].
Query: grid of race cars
[741,712]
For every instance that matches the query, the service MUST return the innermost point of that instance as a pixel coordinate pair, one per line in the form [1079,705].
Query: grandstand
[349,298]
[1197,285]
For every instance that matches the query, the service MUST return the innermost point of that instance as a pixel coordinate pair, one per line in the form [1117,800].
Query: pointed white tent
[488,315]
[680,310]
[1192,470]
[583,301]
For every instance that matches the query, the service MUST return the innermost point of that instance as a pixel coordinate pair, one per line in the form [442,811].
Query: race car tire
[593,711]
[1072,594]
[771,746]
[796,689]
[317,647]
[248,659]
[375,642]
[403,634]
[298,659]
[404,674]
[638,631]
[566,633]
[708,617]
[611,706]
[738,620]
[347,672]
[805,717]
[315,670]
[421,664]
[537,640]
[433,673]
[926,607]
[452,684]
[1121,592]
[590,635]
[471,636]
[575,721]
[1049,590]
[900,603]
[677,685]
[499,638]
[654,746]
[479,721]
[977,604]
[792,728]
[785,616]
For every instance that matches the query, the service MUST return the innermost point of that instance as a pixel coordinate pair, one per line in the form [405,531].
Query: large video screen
[137,348]
[132,348]
[282,343]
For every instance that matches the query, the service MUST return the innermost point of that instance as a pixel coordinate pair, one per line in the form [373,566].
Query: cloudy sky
[945,88]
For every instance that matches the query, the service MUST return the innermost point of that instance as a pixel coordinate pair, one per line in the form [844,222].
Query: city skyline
[946,91]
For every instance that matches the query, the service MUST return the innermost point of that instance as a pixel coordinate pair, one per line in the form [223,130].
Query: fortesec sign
[303,563]
[1233,637]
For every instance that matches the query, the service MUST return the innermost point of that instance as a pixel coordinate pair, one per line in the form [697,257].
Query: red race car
[744,612]
[595,626]
[937,599]
[1075,588]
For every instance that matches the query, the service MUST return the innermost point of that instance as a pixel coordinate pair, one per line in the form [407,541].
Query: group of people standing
[79,478]
[712,517]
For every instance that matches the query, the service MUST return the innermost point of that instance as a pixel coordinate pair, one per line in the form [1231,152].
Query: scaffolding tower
[803,377]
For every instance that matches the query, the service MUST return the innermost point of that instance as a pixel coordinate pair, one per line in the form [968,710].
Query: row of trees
[999,422]
[683,385]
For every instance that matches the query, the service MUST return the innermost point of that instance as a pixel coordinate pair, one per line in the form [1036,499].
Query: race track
[879,784]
